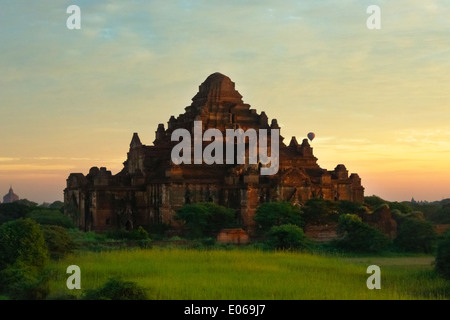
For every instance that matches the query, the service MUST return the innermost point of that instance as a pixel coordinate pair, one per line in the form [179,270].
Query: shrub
[117,289]
[142,238]
[122,234]
[117,234]
[58,240]
[271,214]
[209,242]
[442,262]
[139,234]
[415,235]
[286,237]
[21,282]
[359,236]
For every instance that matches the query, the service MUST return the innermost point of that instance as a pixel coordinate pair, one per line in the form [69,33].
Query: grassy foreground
[175,274]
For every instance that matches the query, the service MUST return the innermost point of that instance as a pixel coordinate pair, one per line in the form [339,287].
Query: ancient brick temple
[150,187]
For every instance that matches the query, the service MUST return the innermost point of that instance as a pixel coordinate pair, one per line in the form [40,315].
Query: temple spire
[217,88]
[135,141]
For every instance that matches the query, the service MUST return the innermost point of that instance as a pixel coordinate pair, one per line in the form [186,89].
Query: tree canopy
[22,241]
[206,219]
[271,214]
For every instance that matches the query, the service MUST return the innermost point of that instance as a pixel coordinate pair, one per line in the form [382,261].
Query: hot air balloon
[311,136]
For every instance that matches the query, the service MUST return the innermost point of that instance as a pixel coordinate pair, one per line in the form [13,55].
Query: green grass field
[175,274]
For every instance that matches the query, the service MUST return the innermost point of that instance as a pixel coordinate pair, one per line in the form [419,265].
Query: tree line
[32,235]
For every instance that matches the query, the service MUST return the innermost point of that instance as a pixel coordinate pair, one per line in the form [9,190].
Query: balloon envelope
[311,136]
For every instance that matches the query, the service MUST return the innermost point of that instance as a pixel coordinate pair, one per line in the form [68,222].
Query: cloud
[310,64]
[21,168]
[430,139]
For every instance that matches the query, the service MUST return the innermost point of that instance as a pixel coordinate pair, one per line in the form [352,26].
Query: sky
[378,100]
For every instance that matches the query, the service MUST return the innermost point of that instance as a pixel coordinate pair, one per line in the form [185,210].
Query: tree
[374,201]
[442,215]
[45,216]
[205,219]
[319,211]
[415,235]
[22,241]
[286,237]
[348,223]
[400,217]
[59,205]
[21,282]
[271,214]
[58,240]
[442,262]
[359,236]
[220,217]
[345,206]
[26,202]
[402,206]
[12,211]
[23,254]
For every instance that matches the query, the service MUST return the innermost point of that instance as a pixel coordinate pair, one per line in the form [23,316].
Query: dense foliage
[117,289]
[23,255]
[271,214]
[436,212]
[45,216]
[416,235]
[374,201]
[286,237]
[400,206]
[31,234]
[12,211]
[442,262]
[58,240]
[442,215]
[139,236]
[206,219]
[358,236]
[318,211]
[22,241]
[344,206]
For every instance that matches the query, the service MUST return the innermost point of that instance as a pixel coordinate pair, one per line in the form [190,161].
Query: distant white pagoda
[10,196]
